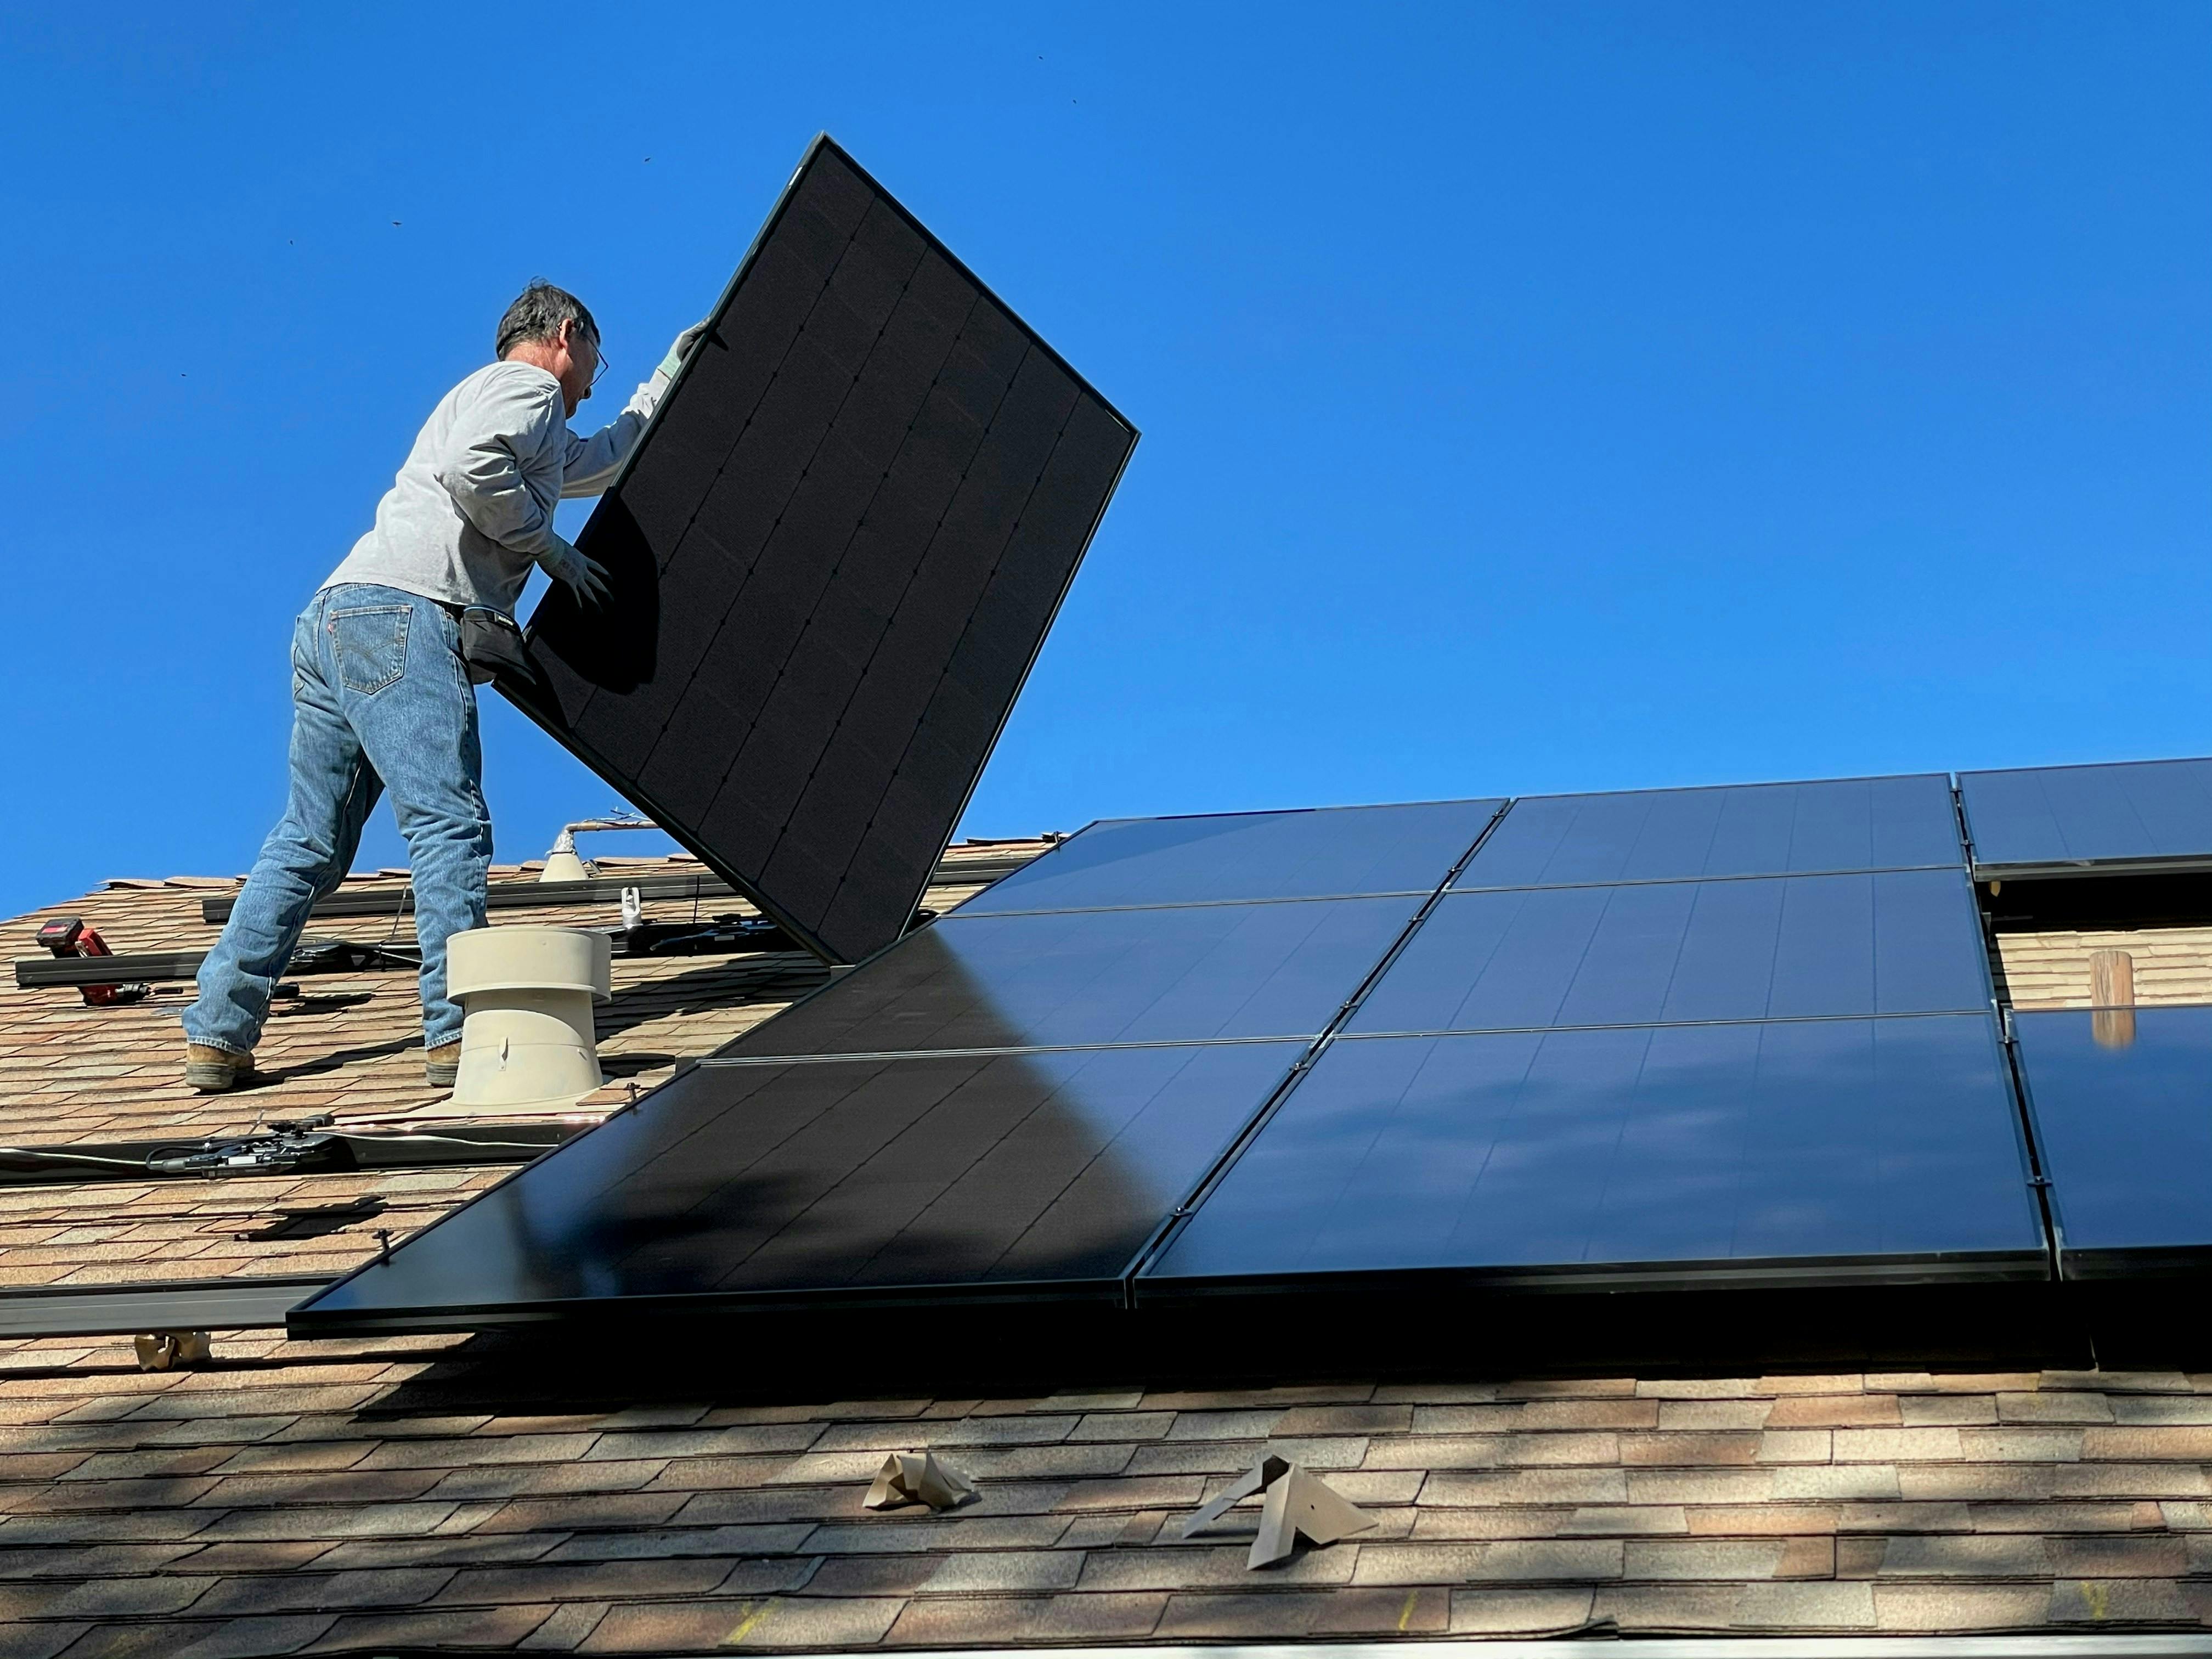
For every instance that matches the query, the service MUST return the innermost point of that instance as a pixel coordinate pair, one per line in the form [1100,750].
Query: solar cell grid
[1897,942]
[2143,815]
[1752,829]
[834,558]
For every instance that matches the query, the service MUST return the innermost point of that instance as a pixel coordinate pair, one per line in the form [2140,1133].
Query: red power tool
[68,937]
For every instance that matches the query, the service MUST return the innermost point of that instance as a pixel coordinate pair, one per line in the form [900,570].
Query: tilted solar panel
[2122,1106]
[2140,816]
[1746,830]
[834,558]
[1831,1151]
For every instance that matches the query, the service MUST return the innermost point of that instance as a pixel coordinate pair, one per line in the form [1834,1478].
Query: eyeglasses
[598,353]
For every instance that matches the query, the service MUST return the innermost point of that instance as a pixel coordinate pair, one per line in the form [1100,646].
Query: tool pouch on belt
[492,645]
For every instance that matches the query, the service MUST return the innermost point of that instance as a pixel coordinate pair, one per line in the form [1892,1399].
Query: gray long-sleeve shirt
[472,510]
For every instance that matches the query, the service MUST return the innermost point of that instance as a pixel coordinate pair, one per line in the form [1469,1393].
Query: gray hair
[538,314]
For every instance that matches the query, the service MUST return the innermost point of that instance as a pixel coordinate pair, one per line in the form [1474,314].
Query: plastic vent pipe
[527,1043]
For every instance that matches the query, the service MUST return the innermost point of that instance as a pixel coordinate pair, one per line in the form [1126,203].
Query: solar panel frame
[2027,821]
[835,854]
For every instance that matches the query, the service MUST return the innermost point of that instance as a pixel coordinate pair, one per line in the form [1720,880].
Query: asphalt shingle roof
[505,1493]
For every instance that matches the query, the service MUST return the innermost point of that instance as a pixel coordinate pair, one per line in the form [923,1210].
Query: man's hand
[682,349]
[580,574]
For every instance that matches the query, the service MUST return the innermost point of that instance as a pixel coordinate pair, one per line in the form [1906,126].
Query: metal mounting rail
[605,889]
[148,967]
[221,1305]
[734,937]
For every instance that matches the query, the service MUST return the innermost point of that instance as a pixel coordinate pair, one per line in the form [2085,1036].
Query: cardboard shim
[1295,1503]
[917,1478]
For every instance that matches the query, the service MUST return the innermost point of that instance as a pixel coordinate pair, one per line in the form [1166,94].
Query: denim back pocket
[372,646]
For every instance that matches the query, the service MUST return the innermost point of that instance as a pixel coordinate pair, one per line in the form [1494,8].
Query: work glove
[682,349]
[581,574]
[648,396]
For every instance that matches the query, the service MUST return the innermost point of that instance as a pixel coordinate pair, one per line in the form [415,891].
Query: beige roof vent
[527,1043]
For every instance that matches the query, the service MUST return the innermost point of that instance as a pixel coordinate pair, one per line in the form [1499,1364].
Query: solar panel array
[2139,816]
[1666,1051]
[1721,1038]
[833,559]
[1004,1105]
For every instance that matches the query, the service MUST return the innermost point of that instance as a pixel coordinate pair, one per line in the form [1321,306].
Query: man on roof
[381,697]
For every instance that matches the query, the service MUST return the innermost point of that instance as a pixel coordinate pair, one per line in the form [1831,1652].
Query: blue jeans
[379,701]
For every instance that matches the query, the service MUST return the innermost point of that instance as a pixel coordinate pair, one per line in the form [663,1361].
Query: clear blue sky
[1536,396]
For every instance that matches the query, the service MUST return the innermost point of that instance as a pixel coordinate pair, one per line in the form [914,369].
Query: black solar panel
[2123,1105]
[1036,1175]
[1751,829]
[1897,942]
[1833,1150]
[1328,853]
[1683,1063]
[1065,1091]
[1016,1100]
[833,557]
[1183,974]
[2054,820]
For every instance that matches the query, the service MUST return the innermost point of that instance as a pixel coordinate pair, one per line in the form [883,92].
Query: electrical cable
[69,1157]
[456,1140]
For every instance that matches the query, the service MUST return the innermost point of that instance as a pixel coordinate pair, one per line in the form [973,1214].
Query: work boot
[215,1071]
[441,1066]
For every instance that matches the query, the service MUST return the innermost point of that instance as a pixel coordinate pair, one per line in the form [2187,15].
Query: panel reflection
[1844,1138]
[2126,1126]
[839,1175]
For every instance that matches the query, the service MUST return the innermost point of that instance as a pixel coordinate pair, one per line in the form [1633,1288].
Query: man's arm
[593,462]
[510,433]
[510,430]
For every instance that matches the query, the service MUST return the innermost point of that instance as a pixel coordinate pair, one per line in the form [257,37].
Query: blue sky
[1536,397]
